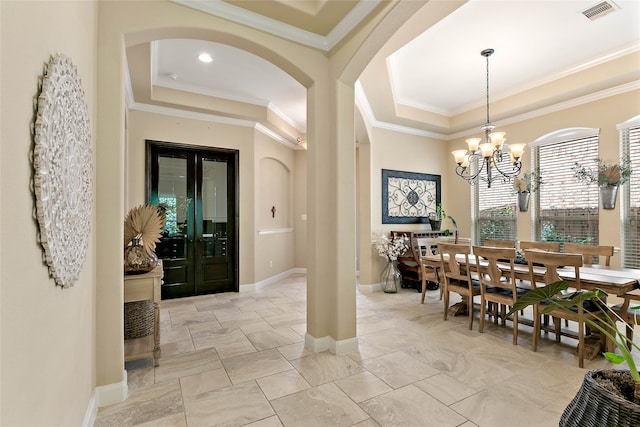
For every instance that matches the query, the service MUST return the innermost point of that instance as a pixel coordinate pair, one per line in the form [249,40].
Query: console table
[142,287]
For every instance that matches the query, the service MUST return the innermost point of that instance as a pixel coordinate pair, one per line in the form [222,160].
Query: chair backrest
[487,260]
[427,245]
[451,266]
[589,251]
[498,243]
[543,246]
[550,262]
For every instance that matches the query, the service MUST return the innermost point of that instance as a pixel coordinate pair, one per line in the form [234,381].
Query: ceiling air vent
[599,10]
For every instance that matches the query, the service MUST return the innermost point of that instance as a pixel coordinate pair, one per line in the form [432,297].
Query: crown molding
[277,28]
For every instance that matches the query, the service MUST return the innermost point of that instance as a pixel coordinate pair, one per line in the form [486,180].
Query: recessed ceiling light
[205,57]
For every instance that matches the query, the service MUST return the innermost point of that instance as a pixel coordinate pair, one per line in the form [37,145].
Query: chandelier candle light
[488,155]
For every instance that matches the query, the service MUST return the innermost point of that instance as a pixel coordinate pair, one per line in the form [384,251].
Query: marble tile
[199,330]
[411,367]
[282,384]
[446,389]
[267,422]
[176,420]
[410,406]
[295,351]
[237,405]
[273,338]
[324,405]
[219,337]
[154,403]
[259,326]
[363,386]
[324,367]
[191,317]
[235,349]
[398,369]
[194,385]
[187,364]
[179,333]
[255,365]
[176,347]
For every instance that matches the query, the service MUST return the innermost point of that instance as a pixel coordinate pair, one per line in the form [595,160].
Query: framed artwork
[409,197]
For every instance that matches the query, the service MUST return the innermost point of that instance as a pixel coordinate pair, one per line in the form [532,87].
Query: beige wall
[274,174]
[604,114]
[47,333]
[402,152]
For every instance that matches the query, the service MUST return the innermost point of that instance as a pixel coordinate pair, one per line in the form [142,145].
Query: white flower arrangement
[391,248]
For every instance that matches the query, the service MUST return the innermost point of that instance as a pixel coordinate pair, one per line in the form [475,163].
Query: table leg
[156,333]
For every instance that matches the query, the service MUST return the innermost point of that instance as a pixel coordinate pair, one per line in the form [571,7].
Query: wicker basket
[138,319]
[594,406]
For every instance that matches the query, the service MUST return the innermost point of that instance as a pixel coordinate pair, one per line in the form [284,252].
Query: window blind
[497,207]
[567,210]
[630,142]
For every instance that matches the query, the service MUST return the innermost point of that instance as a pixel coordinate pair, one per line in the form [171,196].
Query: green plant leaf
[614,358]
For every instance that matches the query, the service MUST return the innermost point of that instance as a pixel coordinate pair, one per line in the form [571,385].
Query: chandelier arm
[515,167]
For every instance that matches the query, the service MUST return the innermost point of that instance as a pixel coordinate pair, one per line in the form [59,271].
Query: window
[565,210]
[496,216]
[630,209]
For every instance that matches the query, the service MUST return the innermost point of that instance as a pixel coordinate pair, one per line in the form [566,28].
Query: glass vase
[137,260]
[390,279]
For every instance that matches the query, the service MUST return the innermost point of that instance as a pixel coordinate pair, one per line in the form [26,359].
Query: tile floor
[238,359]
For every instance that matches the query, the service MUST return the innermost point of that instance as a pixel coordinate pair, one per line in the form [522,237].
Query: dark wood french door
[197,187]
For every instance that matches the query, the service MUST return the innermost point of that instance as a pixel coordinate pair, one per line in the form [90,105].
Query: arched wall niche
[275,194]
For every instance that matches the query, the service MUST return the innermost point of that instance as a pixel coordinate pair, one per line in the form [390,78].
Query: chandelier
[490,154]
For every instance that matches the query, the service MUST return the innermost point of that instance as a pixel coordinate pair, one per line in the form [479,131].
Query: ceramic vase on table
[390,279]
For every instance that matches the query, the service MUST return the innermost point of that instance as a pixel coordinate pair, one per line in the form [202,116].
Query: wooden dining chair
[430,271]
[497,283]
[541,246]
[551,261]
[631,317]
[499,243]
[456,274]
[589,252]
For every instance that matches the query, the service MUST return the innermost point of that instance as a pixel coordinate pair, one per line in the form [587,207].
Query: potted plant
[435,219]
[607,397]
[608,176]
[529,183]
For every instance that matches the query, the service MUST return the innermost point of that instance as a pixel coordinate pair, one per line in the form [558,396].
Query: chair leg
[581,344]
[424,289]
[483,312]
[515,328]
[470,310]
[446,303]
[629,331]
[536,329]
[557,324]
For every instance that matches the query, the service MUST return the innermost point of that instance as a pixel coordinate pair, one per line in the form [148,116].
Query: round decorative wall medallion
[63,171]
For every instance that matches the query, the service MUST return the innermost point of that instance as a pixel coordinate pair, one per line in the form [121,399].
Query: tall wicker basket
[594,406]
[138,319]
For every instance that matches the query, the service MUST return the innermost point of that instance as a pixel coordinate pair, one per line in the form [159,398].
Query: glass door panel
[172,195]
[214,208]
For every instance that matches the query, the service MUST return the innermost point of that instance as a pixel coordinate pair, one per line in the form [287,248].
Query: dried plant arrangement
[144,222]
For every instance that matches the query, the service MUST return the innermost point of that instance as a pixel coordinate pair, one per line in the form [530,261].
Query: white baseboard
[112,393]
[273,279]
[92,411]
[318,345]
